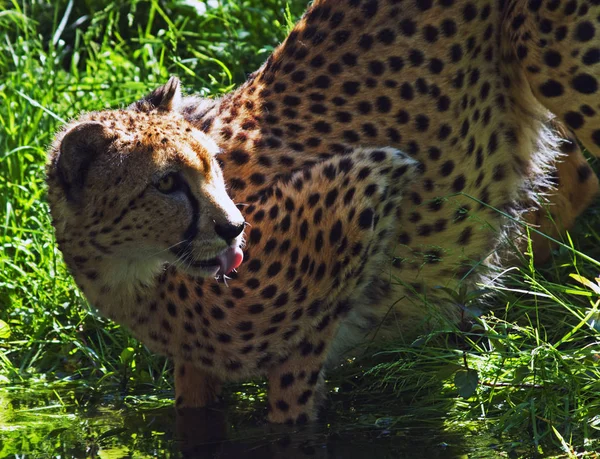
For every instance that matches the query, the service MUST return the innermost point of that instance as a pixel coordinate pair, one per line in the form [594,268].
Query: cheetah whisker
[167,249]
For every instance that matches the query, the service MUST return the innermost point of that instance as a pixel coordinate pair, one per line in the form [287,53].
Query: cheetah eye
[168,183]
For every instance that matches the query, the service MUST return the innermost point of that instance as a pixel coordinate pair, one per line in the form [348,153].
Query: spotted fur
[475,91]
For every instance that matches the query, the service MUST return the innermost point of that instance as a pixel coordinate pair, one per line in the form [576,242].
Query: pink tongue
[230,260]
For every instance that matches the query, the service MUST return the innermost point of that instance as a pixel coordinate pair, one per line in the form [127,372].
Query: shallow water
[76,422]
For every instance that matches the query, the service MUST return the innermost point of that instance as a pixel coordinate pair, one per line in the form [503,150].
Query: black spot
[291,100]
[430,33]
[432,256]
[282,406]
[322,325]
[436,66]
[351,136]
[274,269]
[351,87]
[406,91]
[314,377]
[318,216]
[365,219]
[465,236]
[279,317]
[456,54]
[378,156]
[469,12]
[584,31]
[552,58]
[518,21]
[443,103]
[304,398]
[395,63]
[499,173]
[349,59]
[286,380]
[534,5]
[322,127]
[270,245]
[335,68]
[244,326]
[596,137]
[369,130]
[574,120]
[448,27]
[421,123]
[234,365]
[447,168]
[217,313]
[322,82]
[592,56]
[256,308]
[384,104]
[585,83]
[492,145]
[408,27]
[298,76]
[166,326]
[341,36]
[224,338]
[336,232]
[239,156]
[424,5]
[551,88]
[386,36]
[331,197]
[254,265]
[424,230]
[587,110]
[434,153]
[365,42]
[436,204]
[583,172]
[317,61]
[257,178]
[269,291]
[370,190]
[416,57]
[303,230]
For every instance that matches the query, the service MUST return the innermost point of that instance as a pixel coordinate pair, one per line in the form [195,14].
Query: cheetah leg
[194,388]
[576,186]
[557,46]
[296,386]
[378,177]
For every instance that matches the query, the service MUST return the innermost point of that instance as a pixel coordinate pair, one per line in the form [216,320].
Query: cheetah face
[196,197]
[142,188]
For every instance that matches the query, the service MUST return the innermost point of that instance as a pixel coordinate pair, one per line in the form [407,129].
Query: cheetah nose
[229,231]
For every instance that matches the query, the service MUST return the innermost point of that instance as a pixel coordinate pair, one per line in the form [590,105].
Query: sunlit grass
[528,367]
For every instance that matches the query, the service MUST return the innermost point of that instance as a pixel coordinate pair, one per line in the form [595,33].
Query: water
[77,422]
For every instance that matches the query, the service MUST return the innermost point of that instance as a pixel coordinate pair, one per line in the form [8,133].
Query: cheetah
[145,253]
[375,156]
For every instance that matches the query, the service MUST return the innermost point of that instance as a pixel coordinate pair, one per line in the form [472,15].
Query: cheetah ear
[78,149]
[166,97]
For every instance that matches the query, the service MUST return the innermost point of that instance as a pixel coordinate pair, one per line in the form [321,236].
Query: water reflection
[77,422]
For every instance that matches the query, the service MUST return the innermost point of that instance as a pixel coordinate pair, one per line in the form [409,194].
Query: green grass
[528,368]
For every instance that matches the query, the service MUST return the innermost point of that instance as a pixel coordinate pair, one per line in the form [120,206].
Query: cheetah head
[130,190]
